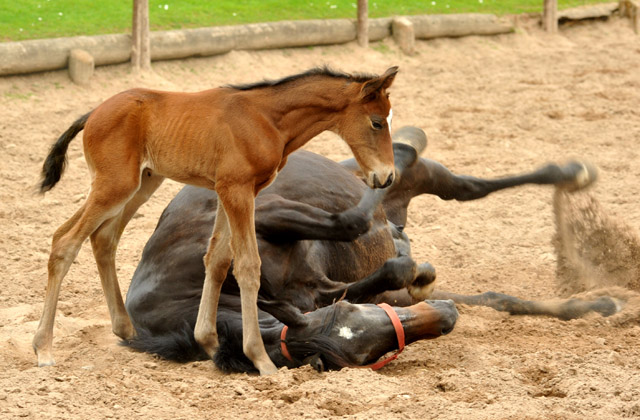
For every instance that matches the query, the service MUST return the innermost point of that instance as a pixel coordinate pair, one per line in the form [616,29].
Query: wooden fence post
[140,45]
[634,14]
[550,16]
[631,9]
[623,7]
[363,23]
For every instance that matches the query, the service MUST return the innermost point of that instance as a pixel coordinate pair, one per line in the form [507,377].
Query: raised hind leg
[440,181]
[104,242]
[106,200]
[564,309]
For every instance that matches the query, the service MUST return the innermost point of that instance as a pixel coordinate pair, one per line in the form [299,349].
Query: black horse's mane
[180,345]
[230,357]
[316,71]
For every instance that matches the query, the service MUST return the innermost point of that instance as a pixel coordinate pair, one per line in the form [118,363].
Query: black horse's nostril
[448,314]
[447,329]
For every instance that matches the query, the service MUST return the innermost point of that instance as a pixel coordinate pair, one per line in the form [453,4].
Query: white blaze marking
[345,332]
[389,118]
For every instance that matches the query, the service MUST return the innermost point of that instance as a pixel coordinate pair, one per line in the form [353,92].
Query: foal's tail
[56,161]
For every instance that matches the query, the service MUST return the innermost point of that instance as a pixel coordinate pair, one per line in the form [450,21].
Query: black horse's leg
[440,181]
[558,308]
[279,219]
[396,274]
[282,220]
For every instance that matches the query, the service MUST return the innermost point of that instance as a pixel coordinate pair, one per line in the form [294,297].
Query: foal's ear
[379,83]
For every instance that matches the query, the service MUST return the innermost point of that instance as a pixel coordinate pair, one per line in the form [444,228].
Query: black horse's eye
[376,125]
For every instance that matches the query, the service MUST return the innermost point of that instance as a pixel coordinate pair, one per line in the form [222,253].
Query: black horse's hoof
[583,174]
[422,286]
[607,306]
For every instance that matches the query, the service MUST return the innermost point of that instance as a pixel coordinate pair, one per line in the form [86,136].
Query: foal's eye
[376,125]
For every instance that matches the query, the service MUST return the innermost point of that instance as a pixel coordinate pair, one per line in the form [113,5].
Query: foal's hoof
[44,358]
[584,174]
[124,330]
[267,368]
[42,349]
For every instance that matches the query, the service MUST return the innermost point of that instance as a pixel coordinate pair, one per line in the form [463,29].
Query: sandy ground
[490,106]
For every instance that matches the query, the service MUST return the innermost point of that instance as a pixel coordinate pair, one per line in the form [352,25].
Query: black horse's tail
[56,161]
[179,345]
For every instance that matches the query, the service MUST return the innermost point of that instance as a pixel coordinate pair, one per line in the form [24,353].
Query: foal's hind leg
[104,242]
[106,200]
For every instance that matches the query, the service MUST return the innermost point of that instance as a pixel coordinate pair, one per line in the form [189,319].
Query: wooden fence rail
[142,47]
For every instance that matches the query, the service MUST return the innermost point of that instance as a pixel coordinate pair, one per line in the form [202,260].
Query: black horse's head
[340,335]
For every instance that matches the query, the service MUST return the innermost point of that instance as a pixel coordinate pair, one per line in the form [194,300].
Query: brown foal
[233,140]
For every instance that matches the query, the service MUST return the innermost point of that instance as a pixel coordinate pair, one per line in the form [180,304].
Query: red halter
[397,325]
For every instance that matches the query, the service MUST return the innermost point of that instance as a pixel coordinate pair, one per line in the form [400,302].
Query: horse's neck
[305,110]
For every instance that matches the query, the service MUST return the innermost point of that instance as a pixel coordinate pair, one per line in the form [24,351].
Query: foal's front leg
[216,262]
[237,203]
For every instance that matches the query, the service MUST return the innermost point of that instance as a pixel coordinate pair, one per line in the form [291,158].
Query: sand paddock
[490,106]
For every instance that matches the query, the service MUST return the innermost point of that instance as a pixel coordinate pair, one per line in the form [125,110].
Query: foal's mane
[323,71]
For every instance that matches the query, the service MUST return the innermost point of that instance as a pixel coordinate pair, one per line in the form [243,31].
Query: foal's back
[190,137]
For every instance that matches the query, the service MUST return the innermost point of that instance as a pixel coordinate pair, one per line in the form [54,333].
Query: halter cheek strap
[397,325]
[395,321]
[283,345]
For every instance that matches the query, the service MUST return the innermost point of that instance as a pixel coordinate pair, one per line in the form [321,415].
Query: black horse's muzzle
[448,314]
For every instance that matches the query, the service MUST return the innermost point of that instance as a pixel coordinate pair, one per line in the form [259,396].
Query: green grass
[29,19]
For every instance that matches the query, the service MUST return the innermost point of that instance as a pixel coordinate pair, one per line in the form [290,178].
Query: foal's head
[366,127]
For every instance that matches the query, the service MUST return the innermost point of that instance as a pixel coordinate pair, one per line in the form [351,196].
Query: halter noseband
[395,321]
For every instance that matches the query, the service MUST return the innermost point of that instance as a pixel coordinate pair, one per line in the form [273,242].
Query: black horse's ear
[315,361]
[284,312]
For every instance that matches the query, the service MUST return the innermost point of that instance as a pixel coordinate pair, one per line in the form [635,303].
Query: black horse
[331,248]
